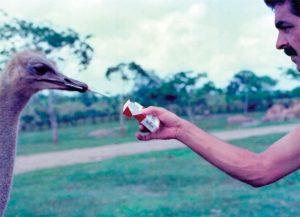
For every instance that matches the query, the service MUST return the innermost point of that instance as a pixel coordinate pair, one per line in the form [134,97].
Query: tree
[209,98]
[247,86]
[17,34]
[88,99]
[185,83]
[291,73]
[147,91]
[128,72]
[178,88]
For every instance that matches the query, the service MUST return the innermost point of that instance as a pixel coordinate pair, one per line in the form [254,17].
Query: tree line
[186,93]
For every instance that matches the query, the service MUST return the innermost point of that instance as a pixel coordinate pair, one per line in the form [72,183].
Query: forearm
[239,163]
[279,160]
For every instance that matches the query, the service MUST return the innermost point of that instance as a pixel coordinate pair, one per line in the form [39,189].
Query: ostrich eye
[41,69]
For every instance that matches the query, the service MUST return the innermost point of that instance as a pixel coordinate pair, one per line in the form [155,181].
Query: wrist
[181,130]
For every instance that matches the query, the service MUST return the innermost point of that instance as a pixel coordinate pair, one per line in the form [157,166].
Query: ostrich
[25,74]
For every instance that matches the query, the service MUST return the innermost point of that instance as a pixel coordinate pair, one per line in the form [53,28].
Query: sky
[166,36]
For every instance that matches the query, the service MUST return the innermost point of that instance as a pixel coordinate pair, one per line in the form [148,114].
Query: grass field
[168,183]
[74,137]
[78,137]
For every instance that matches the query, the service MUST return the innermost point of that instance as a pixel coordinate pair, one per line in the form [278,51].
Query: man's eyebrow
[280,24]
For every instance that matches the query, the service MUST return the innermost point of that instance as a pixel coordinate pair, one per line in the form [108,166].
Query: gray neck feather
[11,105]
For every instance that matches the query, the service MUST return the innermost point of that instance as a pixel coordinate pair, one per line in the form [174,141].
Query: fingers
[143,129]
[153,110]
[144,133]
[144,136]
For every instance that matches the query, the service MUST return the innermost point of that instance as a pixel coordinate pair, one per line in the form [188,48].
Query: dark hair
[294,5]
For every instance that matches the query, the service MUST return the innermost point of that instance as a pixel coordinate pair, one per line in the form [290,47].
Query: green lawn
[78,137]
[74,137]
[168,183]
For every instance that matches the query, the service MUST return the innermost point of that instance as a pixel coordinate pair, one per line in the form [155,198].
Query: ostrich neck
[11,105]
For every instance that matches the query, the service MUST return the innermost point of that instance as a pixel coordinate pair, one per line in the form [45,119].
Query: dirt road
[55,159]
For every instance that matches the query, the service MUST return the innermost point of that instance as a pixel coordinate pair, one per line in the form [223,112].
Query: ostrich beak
[62,82]
[74,85]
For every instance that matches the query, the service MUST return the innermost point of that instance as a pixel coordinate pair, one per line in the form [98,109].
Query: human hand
[170,125]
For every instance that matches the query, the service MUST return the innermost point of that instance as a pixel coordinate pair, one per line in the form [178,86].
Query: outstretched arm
[280,159]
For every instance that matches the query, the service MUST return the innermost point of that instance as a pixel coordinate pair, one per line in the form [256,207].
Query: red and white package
[134,109]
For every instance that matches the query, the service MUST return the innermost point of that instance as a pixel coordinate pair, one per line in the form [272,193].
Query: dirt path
[55,159]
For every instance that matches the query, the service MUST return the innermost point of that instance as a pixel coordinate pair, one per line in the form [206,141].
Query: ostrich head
[26,73]
[29,72]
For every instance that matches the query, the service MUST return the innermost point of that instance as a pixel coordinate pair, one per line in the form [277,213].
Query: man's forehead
[281,10]
[283,13]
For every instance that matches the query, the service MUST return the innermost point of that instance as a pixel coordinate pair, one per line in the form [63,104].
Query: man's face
[288,26]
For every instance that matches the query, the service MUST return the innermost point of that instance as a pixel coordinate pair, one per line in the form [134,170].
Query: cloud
[166,36]
[157,44]
[171,37]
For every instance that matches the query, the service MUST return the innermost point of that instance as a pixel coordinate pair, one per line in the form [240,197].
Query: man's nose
[281,41]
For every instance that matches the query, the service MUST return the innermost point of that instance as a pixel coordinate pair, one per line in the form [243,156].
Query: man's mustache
[288,50]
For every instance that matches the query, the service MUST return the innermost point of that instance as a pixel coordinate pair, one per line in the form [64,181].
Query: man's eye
[285,28]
